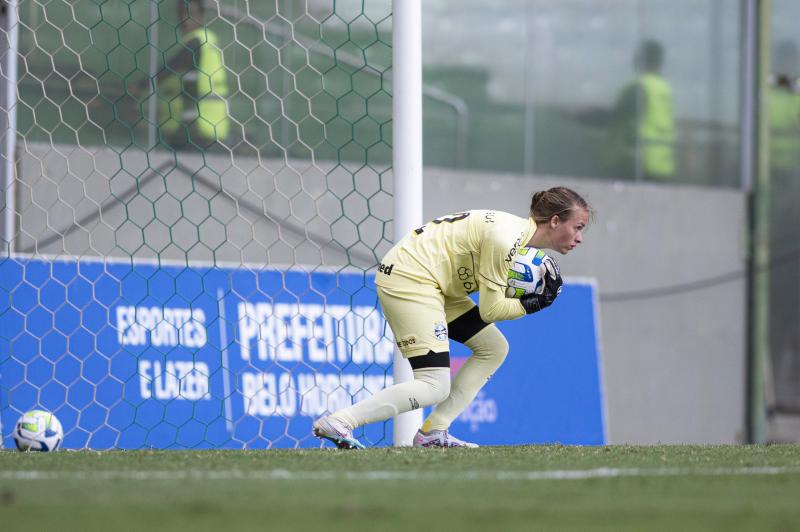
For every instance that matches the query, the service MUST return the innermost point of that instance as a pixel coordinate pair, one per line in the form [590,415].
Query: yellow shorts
[418,315]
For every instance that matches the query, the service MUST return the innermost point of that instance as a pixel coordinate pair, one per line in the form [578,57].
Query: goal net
[195,197]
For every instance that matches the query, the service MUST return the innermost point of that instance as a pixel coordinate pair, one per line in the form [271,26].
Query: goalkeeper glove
[552,287]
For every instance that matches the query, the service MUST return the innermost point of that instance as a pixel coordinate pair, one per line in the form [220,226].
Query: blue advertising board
[138,355]
[549,388]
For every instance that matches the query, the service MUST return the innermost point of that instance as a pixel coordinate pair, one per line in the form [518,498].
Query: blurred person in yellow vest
[640,126]
[783,104]
[783,114]
[192,85]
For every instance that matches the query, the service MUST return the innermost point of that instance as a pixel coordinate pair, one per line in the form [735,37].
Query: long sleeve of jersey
[493,304]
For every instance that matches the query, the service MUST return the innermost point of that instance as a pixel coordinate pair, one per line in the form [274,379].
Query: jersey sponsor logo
[385,268]
[440,331]
[407,341]
[513,251]
[488,218]
[467,278]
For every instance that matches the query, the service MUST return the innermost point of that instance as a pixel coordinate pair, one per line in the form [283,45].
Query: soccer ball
[526,273]
[38,430]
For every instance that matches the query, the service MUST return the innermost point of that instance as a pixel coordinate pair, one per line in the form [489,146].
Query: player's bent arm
[495,306]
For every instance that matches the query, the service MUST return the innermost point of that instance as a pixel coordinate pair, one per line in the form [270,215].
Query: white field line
[283,474]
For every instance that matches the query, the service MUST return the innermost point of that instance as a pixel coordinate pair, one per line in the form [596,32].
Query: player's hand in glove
[552,287]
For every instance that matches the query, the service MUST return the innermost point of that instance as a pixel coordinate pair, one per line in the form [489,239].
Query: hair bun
[557,201]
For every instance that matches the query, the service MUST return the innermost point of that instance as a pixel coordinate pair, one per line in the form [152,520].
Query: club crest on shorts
[440,331]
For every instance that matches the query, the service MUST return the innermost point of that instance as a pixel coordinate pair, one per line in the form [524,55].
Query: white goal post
[406,158]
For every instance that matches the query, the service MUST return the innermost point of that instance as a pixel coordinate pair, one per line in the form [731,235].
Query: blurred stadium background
[698,271]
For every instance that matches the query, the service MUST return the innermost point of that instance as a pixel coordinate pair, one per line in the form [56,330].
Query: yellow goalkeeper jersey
[462,253]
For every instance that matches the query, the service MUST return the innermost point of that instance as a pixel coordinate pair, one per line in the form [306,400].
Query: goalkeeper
[423,285]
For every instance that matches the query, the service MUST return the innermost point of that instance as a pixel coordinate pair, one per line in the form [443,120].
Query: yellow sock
[489,349]
[430,385]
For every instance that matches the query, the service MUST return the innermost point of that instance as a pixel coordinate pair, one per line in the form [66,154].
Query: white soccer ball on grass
[38,430]
[526,274]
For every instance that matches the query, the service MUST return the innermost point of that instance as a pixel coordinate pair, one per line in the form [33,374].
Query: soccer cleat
[439,438]
[330,428]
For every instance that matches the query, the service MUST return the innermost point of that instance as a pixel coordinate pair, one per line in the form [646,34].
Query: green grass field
[492,488]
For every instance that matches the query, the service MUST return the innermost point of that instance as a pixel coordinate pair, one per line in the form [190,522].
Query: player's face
[567,234]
